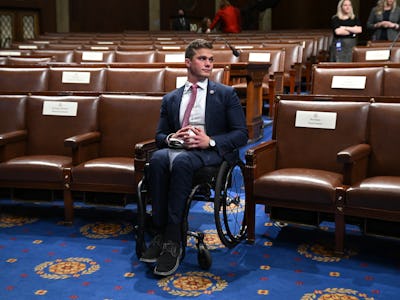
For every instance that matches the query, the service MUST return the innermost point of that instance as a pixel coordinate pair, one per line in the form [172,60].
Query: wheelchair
[224,186]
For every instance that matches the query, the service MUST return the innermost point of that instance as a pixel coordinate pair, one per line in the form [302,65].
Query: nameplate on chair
[92,56]
[75,77]
[244,46]
[349,82]
[41,42]
[105,42]
[60,108]
[100,48]
[377,54]
[10,53]
[175,57]
[27,47]
[180,80]
[316,119]
[171,47]
[259,57]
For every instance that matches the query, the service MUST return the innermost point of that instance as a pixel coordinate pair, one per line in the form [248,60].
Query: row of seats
[74,144]
[333,161]
[149,78]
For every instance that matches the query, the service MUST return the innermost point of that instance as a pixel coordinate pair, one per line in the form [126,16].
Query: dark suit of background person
[171,182]
[376,21]
[346,27]
[181,23]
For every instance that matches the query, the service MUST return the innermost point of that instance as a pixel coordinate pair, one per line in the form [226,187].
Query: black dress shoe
[154,250]
[169,259]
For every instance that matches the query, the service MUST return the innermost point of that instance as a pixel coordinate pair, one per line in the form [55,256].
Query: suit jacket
[224,119]
[375,18]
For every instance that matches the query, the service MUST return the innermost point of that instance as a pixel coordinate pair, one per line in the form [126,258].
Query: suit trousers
[170,185]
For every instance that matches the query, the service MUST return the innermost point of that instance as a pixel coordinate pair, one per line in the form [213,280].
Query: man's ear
[188,61]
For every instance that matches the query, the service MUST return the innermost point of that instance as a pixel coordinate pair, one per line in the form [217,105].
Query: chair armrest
[12,137]
[12,144]
[82,139]
[143,151]
[355,162]
[84,146]
[261,159]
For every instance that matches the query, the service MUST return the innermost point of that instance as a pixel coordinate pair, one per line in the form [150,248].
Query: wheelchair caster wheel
[204,257]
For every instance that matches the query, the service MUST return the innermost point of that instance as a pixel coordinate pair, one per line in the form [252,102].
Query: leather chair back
[384,138]
[144,56]
[88,56]
[46,133]
[96,82]
[315,148]
[391,80]
[322,80]
[125,120]
[24,79]
[14,118]
[148,80]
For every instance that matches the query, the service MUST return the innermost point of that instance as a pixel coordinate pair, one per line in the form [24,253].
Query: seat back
[77,79]
[66,56]
[12,60]
[384,138]
[24,79]
[324,78]
[148,80]
[224,56]
[125,120]
[144,56]
[13,113]
[89,56]
[276,57]
[391,80]
[170,56]
[316,148]
[46,133]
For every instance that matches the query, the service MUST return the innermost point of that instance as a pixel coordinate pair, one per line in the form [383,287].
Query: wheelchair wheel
[229,204]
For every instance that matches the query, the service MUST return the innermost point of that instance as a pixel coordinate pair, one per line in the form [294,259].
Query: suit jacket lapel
[176,106]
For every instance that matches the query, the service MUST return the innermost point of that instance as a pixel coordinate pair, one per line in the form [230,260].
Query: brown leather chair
[375,199]
[391,79]
[147,80]
[12,121]
[94,56]
[121,120]
[94,81]
[29,60]
[224,56]
[170,56]
[323,76]
[65,56]
[37,158]
[296,175]
[24,79]
[144,56]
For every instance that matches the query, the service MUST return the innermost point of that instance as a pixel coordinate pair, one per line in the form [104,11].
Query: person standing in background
[181,23]
[346,26]
[229,18]
[384,20]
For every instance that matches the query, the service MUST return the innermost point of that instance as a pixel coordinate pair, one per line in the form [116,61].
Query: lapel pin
[212,92]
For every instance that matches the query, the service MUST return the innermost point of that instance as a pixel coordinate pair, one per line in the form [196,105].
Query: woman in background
[346,26]
[384,20]
[228,16]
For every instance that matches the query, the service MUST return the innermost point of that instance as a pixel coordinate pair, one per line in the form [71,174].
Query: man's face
[181,13]
[201,64]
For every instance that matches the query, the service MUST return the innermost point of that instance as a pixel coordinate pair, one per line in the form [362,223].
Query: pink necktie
[190,105]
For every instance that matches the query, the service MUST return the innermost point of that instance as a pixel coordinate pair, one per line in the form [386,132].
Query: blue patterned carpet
[95,259]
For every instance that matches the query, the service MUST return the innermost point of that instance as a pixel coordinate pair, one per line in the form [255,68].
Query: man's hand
[195,137]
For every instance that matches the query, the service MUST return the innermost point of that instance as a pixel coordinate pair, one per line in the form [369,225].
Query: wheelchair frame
[223,185]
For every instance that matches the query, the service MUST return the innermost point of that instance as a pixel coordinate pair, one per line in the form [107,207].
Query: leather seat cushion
[380,192]
[299,185]
[46,168]
[105,170]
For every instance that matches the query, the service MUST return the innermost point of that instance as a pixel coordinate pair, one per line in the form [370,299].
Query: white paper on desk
[377,54]
[259,57]
[175,57]
[316,119]
[92,55]
[75,77]
[349,82]
[60,108]
[180,80]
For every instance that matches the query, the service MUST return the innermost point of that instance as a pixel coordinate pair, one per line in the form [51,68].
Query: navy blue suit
[224,122]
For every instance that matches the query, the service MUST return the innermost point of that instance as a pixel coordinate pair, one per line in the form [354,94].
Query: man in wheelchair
[201,124]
